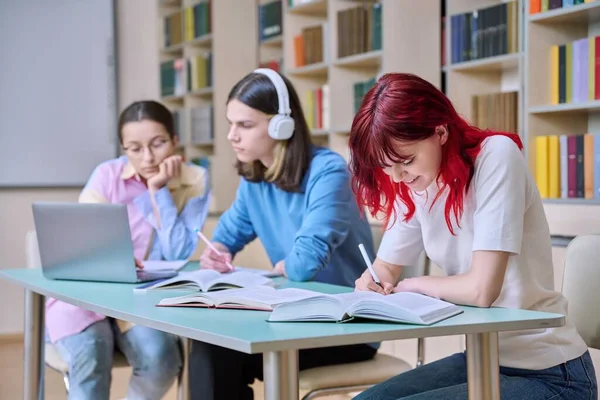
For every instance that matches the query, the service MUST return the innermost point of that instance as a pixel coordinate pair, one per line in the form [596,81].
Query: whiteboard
[58,112]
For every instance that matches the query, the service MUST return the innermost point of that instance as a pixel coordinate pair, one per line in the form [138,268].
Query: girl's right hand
[211,260]
[366,284]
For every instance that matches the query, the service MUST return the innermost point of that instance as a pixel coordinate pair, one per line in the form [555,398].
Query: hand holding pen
[369,281]
[215,256]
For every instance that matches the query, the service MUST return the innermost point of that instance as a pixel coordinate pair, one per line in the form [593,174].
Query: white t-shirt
[503,212]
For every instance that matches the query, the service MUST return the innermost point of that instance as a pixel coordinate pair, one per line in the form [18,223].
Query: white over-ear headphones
[281,126]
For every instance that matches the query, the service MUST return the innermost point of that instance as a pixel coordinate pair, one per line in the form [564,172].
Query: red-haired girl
[464,196]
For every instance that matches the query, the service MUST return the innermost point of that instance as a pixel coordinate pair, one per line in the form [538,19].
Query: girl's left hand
[139,264]
[407,285]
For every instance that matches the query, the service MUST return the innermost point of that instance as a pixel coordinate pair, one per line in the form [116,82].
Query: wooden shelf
[312,7]
[590,106]
[202,41]
[202,92]
[578,201]
[203,144]
[175,50]
[170,3]
[318,69]
[275,41]
[173,99]
[490,64]
[371,59]
[578,14]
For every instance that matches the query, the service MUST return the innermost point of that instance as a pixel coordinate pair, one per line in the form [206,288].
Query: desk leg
[483,371]
[183,386]
[280,370]
[34,341]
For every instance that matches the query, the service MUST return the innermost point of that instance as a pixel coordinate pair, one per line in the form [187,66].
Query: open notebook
[398,307]
[250,298]
[206,280]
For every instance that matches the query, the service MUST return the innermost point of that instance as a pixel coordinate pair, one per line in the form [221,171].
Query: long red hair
[405,107]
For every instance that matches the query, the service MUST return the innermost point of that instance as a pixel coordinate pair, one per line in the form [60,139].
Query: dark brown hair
[258,92]
[147,110]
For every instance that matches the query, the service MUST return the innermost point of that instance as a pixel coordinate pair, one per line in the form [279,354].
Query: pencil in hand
[214,249]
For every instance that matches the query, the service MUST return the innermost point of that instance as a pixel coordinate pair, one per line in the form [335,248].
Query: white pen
[363,251]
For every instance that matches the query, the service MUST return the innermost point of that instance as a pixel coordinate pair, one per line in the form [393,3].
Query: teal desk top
[248,331]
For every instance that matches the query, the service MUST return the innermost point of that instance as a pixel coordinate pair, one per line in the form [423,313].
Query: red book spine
[572,166]
[596,67]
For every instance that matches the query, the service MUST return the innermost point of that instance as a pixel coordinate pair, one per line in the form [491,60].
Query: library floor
[11,378]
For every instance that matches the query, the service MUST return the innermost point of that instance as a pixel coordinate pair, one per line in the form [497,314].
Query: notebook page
[241,279]
[350,298]
[415,303]
[262,294]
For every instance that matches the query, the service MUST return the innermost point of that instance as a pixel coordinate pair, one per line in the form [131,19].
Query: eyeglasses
[157,146]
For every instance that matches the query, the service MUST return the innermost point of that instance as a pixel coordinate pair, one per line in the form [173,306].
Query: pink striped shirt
[183,207]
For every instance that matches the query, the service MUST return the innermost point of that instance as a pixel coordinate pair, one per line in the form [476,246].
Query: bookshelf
[527,65]
[484,62]
[333,73]
[563,106]
[346,64]
[192,49]
[313,42]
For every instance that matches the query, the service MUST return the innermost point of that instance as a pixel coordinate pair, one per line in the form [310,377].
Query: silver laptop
[87,242]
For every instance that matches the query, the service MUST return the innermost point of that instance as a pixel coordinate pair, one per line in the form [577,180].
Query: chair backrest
[581,286]
[32,250]
[410,270]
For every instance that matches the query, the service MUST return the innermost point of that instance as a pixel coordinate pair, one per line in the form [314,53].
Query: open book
[206,280]
[263,298]
[398,307]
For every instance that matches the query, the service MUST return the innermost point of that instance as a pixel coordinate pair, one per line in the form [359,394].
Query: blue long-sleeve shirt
[316,231]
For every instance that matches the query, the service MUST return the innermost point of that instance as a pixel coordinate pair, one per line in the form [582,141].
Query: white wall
[138,69]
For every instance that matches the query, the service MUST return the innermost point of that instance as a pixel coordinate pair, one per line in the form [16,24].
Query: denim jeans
[446,379]
[155,357]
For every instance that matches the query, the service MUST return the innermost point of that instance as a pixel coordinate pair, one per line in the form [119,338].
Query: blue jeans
[155,357]
[446,379]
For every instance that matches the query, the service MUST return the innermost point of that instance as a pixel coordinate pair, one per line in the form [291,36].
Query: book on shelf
[403,307]
[261,298]
[183,75]
[537,6]
[206,280]
[172,30]
[269,20]
[316,107]
[201,121]
[359,29]
[574,67]
[310,46]
[568,166]
[360,89]
[497,111]
[486,32]
[197,20]
[179,117]
[173,77]
[275,65]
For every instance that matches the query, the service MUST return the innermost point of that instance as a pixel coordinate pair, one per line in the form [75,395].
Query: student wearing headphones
[166,200]
[297,199]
